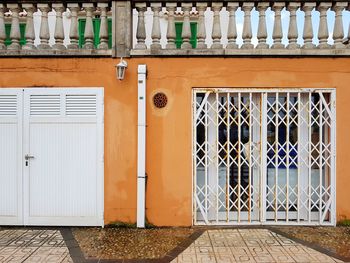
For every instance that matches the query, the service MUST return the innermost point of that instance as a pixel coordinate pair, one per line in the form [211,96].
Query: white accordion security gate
[264,156]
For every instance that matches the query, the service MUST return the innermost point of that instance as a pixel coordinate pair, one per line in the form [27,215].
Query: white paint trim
[141,146]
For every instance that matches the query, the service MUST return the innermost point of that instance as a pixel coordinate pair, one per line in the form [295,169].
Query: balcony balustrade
[55,29]
[174,28]
[242,28]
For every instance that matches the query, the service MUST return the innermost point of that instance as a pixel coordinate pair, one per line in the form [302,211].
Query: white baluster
[89,31]
[216,32]
[308,32]
[141,29]
[15,32]
[323,27]
[44,27]
[30,34]
[232,29]
[73,30]
[338,33]
[156,8]
[201,34]
[2,27]
[277,28]
[59,30]
[247,28]
[262,32]
[293,29]
[104,26]
[171,32]
[186,27]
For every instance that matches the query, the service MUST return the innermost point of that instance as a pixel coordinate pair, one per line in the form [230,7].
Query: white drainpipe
[141,146]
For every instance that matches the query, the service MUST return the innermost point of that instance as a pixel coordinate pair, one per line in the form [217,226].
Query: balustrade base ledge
[242,52]
[344,52]
[58,53]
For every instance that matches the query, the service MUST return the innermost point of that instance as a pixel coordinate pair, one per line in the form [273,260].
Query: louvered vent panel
[44,105]
[8,105]
[81,105]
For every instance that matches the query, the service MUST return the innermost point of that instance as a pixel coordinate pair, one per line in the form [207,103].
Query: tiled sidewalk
[248,245]
[22,245]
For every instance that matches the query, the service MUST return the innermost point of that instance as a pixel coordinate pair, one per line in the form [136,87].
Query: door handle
[28,156]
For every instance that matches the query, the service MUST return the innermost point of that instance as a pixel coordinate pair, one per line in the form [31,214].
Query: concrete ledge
[242,52]
[58,53]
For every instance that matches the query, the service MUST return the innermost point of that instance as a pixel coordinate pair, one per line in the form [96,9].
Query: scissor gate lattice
[264,156]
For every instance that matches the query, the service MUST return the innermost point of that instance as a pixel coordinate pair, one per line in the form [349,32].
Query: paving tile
[222,258]
[249,245]
[206,258]
[33,246]
[261,254]
[186,258]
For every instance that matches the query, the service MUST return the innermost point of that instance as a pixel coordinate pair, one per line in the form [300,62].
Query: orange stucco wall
[169,187]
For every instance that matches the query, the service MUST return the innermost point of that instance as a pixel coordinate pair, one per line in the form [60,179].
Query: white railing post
[44,27]
[338,33]
[277,28]
[293,28]
[2,27]
[262,31]
[103,34]
[323,28]
[247,28]
[171,32]
[141,28]
[156,8]
[30,33]
[186,27]
[73,30]
[15,32]
[201,34]
[308,32]
[216,33]
[89,31]
[59,30]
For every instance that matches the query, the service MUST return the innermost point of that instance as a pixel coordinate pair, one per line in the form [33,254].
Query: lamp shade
[121,67]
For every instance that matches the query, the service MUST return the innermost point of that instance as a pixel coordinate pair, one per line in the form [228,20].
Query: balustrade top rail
[174,28]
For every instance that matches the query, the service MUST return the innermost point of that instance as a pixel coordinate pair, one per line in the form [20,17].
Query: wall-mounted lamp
[121,68]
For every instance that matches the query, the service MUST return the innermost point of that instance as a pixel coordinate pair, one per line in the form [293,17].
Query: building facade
[241,126]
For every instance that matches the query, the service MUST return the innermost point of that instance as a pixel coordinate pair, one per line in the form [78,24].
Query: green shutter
[81,30]
[109,33]
[193,39]
[178,39]
[96,23]
[22,30]
[7,32]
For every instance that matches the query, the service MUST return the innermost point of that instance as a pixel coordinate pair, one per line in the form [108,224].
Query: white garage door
[51,159]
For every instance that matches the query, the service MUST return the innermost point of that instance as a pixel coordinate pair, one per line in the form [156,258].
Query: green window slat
[81,30]
[22,30]
[178,30]
[96,23]
[109,33]
[7,32]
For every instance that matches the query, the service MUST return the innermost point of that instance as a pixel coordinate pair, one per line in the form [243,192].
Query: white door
[62,157]
[264,156]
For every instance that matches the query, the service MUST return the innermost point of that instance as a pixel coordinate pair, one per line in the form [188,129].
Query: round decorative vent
[160,100]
